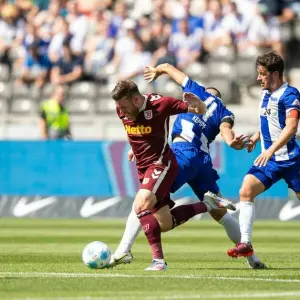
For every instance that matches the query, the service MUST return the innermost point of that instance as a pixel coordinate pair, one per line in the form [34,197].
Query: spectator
[45,20]
[78,26]
[194,22]
[61,33]
[36,67]
[98,49]
[134,63]
[124,46]
[11,32]
[263,32]
[187,47]
[69,67]
[119,15]
[162,55]
[236,23]
[54,121]
[215,34]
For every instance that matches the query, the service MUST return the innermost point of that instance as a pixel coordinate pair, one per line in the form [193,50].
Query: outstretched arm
[233,141]
[151,73]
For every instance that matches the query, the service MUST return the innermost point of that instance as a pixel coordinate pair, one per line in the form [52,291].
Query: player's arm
[236,142]
[287,133]
[151,73]
[187,85]
[172,106]
[253,141]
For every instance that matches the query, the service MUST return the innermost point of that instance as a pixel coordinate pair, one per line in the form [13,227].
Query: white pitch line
[178,297]
[117,275]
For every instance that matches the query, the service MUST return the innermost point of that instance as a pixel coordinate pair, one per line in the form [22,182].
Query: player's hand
[131,156]
[150,73]
[251,146]
[263,158]
[194,102]
[240,142]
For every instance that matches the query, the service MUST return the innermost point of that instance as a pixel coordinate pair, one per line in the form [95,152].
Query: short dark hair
[215,92]
[124,88]
[272,61]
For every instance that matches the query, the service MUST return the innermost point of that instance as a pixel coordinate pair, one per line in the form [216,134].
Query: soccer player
[191,136]
[146,121]
[280,156]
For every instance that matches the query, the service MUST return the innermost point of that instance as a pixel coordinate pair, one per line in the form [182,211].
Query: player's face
[266,78]
[128,108]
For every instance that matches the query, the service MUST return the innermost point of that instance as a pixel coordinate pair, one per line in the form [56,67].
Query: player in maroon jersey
[146,121]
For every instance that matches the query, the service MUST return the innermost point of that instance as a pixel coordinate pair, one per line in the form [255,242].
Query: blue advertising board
[100,168]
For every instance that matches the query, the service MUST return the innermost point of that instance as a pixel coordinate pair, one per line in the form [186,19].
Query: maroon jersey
[148,134]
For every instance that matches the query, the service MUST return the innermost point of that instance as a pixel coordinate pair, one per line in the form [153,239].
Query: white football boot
[213,202]
[120,258]
[254,264]
[157,265]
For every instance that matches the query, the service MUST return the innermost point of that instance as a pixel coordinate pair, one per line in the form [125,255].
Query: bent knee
[144,200]
[246,193]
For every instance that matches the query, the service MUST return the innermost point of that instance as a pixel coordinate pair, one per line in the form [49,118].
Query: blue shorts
[195,168]
[276,170]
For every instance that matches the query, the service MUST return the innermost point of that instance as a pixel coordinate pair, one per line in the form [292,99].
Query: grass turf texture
[41,259]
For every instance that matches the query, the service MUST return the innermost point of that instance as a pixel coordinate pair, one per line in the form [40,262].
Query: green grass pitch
[41,259]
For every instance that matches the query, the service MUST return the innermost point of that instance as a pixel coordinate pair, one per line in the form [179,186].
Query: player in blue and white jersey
[280,156]
[191,137]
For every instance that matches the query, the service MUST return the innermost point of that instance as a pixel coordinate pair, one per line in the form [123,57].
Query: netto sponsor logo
[141,129]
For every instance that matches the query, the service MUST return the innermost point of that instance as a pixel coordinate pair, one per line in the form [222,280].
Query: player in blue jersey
[280,156]
[191,137]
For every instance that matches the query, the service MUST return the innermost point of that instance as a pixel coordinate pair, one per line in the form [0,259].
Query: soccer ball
[96,255]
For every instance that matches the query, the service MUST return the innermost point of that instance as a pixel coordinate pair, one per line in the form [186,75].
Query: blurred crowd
[65,41]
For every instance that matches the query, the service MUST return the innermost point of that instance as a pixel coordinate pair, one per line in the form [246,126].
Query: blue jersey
[273,110]
[201,130]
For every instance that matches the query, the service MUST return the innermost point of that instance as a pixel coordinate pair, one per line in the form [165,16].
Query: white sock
[231,227]
[132,229]
[246,220]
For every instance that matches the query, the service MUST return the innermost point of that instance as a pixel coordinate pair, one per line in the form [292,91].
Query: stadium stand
[214,42]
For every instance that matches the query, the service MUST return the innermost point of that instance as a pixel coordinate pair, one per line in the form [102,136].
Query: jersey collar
[144,104]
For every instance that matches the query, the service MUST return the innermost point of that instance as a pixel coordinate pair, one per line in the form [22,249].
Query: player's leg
[200,185]
[132,228]
[254,183]
[144,202]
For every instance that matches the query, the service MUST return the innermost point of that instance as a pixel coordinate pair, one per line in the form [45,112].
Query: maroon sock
[183,213]
[152,231]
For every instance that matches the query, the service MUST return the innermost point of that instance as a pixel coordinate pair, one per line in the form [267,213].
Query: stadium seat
[3,104]
[229,90]
[245,70]
[106,105]
[220,69]
[5,90]
[197,71]
[23,105]
[223,53]
[285,32]
[104,90]
[4,72]
[84,88]
[47,91]
[21,91]
[80,105]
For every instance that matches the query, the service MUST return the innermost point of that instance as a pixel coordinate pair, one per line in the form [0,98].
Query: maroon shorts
[158,179]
